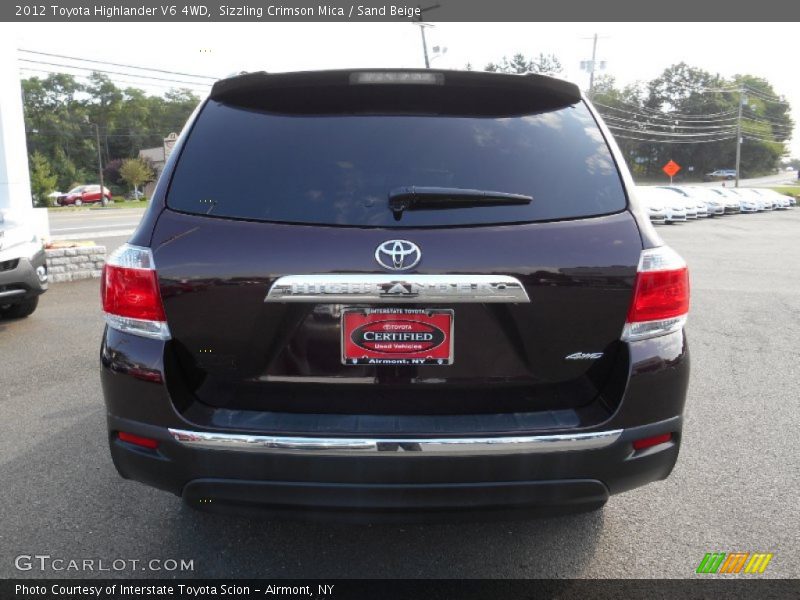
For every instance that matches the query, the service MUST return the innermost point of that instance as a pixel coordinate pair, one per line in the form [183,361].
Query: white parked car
[782,199]
[23,271]
[714,204]
[748,202]
[751,196]
[733,202]
[694,208]
[661,199]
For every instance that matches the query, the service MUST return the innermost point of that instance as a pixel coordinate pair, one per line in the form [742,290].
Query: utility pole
[594,62]
[424,45]
[99,162]
[592,65]
[422,27]
[739,135]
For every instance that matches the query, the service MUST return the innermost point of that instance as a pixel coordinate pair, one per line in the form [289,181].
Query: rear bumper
[397,502]
[238,463]
[395,478]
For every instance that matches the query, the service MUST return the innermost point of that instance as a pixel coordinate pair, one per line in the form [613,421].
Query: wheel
[22,309]
[78,201]
[104,201]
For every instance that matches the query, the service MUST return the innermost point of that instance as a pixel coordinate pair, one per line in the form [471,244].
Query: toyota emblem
[397,255]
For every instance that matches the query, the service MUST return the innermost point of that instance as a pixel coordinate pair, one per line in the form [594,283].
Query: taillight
[131,298]
[660,295]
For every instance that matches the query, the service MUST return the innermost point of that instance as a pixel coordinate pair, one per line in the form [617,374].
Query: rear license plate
[397,336]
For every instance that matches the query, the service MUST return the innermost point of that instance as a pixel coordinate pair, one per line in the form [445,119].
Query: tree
[544,64]
[61,114]
[135,172]
[689,115]
[43,180]
[111,171]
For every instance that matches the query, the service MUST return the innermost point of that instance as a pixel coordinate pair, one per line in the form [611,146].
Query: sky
[632,51]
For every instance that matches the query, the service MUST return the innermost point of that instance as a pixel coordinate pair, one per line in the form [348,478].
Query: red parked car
[84,194]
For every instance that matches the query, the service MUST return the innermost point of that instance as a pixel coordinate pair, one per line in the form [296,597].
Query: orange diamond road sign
[671,168]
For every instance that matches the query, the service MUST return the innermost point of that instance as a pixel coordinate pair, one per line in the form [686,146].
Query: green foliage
[135,172]
[683,90]
[43,180]
[544,64]
[61,113]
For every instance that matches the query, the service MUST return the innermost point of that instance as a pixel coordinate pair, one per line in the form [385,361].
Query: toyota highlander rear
[386,293]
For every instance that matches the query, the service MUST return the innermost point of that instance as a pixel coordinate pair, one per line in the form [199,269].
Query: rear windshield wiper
[424,198]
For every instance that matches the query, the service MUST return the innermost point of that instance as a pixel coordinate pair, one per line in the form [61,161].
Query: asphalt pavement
[735,487]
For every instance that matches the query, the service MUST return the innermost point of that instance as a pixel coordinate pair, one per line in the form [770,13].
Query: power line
[750,136]
[116,79]
[105,62]
[647,109]
[766,121]
[103,130]
[657,141]
[672,117]
[613,119]
[715,90]
[93,70]
[668,134]
[764,96]
[670,122]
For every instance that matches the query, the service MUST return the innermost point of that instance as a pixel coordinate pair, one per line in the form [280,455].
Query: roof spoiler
[397,90]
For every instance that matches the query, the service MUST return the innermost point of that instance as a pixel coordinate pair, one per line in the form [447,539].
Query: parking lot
[735,487]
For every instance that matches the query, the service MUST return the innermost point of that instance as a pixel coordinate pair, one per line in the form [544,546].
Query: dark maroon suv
[395,293]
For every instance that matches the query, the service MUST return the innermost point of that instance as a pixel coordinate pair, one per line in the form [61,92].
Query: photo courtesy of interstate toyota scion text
[386,294]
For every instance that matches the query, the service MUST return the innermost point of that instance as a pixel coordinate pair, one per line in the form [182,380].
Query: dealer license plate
[397,336]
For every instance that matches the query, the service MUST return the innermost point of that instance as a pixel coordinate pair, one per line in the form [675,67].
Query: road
[735,487]
[93,223]
[782,178]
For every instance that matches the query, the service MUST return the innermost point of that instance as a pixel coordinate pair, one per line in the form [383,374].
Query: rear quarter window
[338,169]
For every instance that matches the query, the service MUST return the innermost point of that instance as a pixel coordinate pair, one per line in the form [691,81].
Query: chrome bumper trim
[535,444]
[397,288]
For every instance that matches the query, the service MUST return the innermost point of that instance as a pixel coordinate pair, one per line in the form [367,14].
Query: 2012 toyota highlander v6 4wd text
[392,294]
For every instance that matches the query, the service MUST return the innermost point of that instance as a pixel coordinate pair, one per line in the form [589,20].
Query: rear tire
[21,309]
[104,201]
[78,202]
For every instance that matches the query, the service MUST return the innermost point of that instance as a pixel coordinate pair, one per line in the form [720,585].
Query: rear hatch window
[249,163]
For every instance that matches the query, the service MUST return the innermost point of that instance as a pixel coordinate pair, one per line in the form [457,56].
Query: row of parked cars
[671,204]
